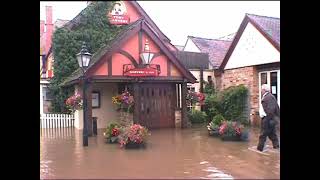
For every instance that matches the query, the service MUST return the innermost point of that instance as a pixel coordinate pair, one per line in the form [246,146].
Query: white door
[272,78]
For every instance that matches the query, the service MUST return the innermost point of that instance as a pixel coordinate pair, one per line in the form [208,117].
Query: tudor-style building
[159,97]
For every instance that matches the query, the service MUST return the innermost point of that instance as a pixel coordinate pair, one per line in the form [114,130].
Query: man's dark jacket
[270,106]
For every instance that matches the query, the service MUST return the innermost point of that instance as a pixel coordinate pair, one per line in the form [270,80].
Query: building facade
[253,59]
[159,97]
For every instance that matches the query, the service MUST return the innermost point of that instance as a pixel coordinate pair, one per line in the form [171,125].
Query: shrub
[196,116]
[230,103]
[212,105]
[218,119]
[208,89]
[233,103]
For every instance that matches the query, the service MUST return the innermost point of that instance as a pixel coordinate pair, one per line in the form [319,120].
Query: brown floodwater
[170,153]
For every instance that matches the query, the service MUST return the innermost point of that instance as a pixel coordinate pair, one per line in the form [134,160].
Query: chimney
[41,27]
[49,27]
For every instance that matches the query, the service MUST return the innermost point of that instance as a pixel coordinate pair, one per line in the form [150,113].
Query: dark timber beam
[184,120]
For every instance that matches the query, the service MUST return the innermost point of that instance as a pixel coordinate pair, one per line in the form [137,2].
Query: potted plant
[134,136]
[112,133]
[213,129]
[215,124]
[74,102]
[233,131]
[124,103]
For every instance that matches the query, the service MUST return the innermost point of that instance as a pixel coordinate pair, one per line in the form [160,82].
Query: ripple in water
[216,174]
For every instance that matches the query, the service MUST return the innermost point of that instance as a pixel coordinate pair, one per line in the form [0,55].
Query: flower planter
[230,138]
[132,145]
[111,142]
[214,133]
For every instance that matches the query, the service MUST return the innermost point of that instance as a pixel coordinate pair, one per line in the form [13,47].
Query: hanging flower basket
[74,102]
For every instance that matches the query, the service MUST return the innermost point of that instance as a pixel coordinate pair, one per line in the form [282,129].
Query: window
[209,78]
[47,95]
[95,99]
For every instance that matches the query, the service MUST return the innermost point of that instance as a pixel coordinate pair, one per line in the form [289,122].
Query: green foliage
[212,105]
[108,133]
[196,116]
[213,127]
[230,129]
[93,28]
[233,103]
[218,119]
[230,103]
[208,88]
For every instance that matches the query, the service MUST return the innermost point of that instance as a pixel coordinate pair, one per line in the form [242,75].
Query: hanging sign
[151,70]
[118,14]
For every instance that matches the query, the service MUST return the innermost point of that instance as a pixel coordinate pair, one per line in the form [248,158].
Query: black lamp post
[84,58]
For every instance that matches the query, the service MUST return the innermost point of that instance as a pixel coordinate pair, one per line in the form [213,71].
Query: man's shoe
[259,149]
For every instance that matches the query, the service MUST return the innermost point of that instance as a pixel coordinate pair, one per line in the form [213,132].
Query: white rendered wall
[252,49]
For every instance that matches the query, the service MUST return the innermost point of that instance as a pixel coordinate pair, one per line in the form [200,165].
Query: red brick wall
[247,76]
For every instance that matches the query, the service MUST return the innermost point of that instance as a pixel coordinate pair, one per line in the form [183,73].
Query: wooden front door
[157,104]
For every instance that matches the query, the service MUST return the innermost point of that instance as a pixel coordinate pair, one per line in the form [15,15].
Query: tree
[92,26]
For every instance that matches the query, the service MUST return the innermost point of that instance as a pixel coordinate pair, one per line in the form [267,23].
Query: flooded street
[170,153]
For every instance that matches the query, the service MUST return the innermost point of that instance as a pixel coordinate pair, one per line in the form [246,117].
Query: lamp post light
[84,58]
[146,56]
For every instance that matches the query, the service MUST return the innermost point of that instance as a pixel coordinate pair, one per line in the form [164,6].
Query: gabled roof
[104,49]
[215,48]
[76,20]
[193,60]
[120,39]
[179,47]
[269,27]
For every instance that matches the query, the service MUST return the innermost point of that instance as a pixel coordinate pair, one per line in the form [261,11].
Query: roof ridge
[209,39]
[262,16]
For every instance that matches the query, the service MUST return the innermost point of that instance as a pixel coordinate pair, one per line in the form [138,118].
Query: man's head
[265,88]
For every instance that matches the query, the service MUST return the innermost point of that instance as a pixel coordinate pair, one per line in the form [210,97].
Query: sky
[179,19]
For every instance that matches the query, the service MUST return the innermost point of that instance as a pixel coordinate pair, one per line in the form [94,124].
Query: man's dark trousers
[268,129]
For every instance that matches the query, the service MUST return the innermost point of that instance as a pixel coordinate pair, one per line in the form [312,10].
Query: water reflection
[170,153]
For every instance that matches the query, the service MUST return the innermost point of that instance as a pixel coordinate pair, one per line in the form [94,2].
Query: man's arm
[268,106]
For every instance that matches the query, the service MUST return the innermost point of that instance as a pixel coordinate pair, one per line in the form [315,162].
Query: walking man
[268,113]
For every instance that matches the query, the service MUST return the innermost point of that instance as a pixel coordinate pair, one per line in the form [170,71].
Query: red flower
[115,132]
